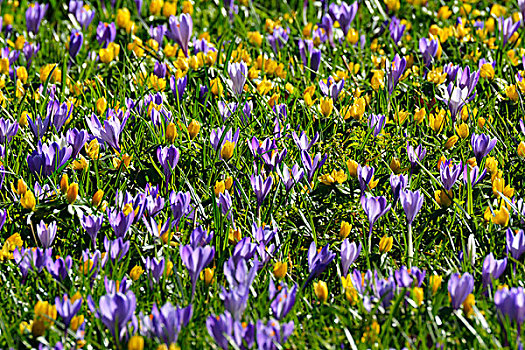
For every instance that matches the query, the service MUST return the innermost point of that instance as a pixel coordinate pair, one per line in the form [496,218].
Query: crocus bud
[72,193]
[345,230]
[101,105]
[227,150]
[169,268]
[326,105]
[21,187]
[321,291]
[395,165]
[76,322]
[234,236]
[28,200]
[136,272]
[443,198]
[352,167]
[521,149]
[136,342]
[194,128]
[385,244]
[228,183]
[462,130]
[171,132]
[64,184]
[417,295]
[97,197]
[451,141]
[468,304]
[207,275]
[23,119]
[280,269]
[219,188]
[435,283]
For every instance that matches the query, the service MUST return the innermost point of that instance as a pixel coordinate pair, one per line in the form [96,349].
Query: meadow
[203,174]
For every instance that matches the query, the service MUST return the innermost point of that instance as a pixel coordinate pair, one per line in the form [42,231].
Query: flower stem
[410,245]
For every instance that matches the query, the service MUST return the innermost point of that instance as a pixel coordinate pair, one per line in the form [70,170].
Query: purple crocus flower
[282,298]
[511,304]
[344,14]
[195,260]
[331,88]
[46,233]
[225,203]
[272,333]
[180,30]
[396,30]
[59,269]
[473,175]
[349,254]
[398,184]
[3,217]
[507,28]
[165,323]
[451,70]
[227,109]
[67,309]
[310,56]
[75,43]
[428,48]
[224,329]
[218,137]
[290,177]
[278,38]
[154,269]
[492,269]
[318,261]
[30,50]
[239,278]
[84,15]
[261,187]
[58,113]
[515,243]
[199,237]
[328,25]
[106,33]
[168,157]
[160,70]
[92,225]
[178,86]
[120,222]
[376,123]
[395,72]
[412,201]
[302,141]
[455,98]
[34,15]
[8,130]
[415,155]
[459,287]
[180,205]
[365,174]
[115,311]
[482,145]
[238,73]
[110,132]
[449,173]
[76,139]
[116,249]
[469,80]
[310,165]
[39,126]
[157,33]
[374,208]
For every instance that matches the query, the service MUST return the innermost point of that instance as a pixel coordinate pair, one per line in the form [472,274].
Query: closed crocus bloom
[443,198]
[28,200]
[385,244]
[136,342]
[21,187]
[349,254]
[194,128]
[97,198]
[487,71]
[326,105]
[345,230]
[75,43]
[462,130]
[395,165]
[72,193]
[417,295]
[155,7]
[216,87]
[228,182]
[352,167]
[64,184]
[451,141]
[227,150]
[219,188]
[101,105]
[521,149]
[435,283]
[321,291]
[46,233]
[171,132]
[207,275]
[279,269]
[412,201]
[180,30]
[420,114]
[459,287]
[136,272]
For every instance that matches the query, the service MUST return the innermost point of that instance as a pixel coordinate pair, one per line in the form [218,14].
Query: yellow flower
[345,230]
[280,269]
[123,18]
[170,9]
[392,5]
[255,38]
[435,283]
[498,187]
[468,304]
[352,36]
[511,92]
[444,12]
[521,149]
[136,342]
[187,7]
[462,130]
[500,217]
[216,87]
[437,76]
[92,149]
[64,184]
[321,291]
[487,71]
[420,114]
[4,66]
[21,74]
[72,193]
[101,105]
[80,164]
[378,80]
[228,182]
[326,105]
[47,70]
[264,86]
[385,244]
[207,275]
[491,164]
[76,322]
[357,110]
[28,200]
[171,132]
[219,188]
[436,122]
[352,167]
[136,272]
[106,55]
[227,150]
[350,292]
[155,7]
[451,141]
[417,295]
[23,119]
[194,128]
[395,166]
[234,235]
[443,198]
